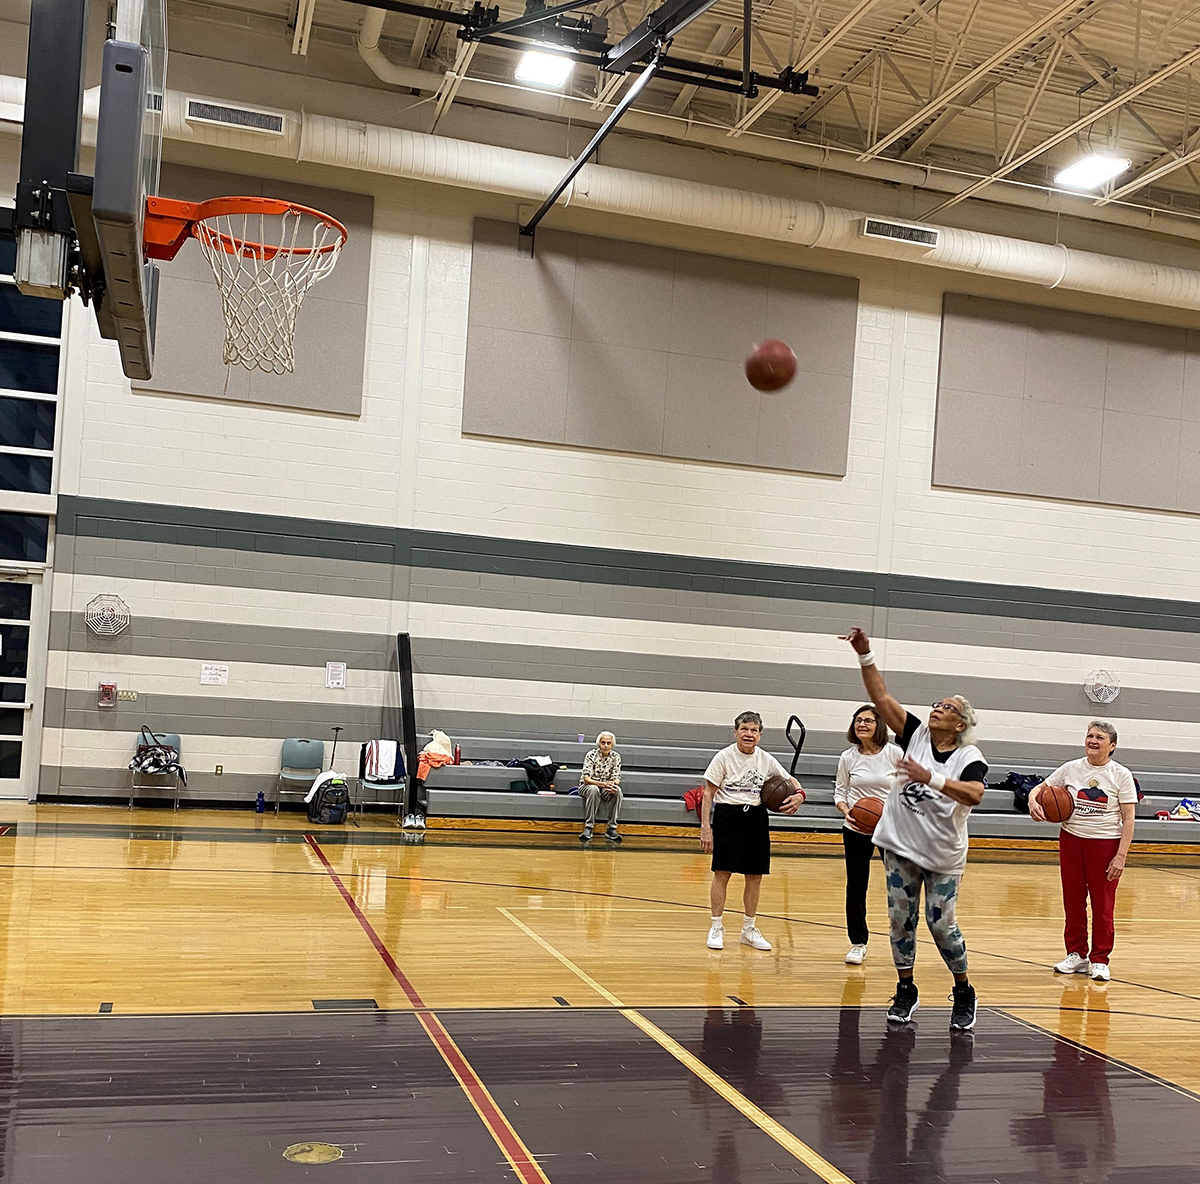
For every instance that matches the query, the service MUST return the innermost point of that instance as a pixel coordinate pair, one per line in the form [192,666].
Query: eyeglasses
[948,707]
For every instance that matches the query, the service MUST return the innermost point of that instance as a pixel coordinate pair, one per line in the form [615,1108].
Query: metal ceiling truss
[968,80]
[1101,112]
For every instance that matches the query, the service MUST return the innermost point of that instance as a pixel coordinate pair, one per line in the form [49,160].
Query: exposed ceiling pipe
[383,67]
[529,176]
[813,156]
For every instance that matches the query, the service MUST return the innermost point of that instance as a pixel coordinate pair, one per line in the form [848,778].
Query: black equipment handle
[797,745]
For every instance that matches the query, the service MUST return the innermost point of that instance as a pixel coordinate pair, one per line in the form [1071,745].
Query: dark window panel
[23,537]
[29,314]
[28,474]
[25,367]
[15,601]
[12,721]
[10,759]
[27,423]
[12,692]
[8,255]
[14,650]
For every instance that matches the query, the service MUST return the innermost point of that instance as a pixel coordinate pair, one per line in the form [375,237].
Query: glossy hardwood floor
[207,912]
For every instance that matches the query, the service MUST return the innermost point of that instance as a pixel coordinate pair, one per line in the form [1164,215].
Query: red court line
[506,1137]
[374,937]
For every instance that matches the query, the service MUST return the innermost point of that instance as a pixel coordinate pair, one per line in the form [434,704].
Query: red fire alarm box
[107,696]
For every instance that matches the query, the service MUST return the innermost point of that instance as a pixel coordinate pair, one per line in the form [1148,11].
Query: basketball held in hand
[865,813]
[1057,803]
[771,365]
[775,791]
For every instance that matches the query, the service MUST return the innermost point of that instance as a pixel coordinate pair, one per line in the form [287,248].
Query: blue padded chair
[300,763]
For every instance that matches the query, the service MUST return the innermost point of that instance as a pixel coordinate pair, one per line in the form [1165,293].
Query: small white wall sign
[335,675]
[214,674]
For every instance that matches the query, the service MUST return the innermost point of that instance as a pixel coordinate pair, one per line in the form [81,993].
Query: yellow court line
[761,1119]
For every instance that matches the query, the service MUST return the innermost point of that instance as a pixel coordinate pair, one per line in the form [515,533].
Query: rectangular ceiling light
[1092,171]
[544,69]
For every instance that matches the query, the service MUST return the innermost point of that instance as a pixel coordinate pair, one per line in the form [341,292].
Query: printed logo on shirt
[1091,801]
[914,793]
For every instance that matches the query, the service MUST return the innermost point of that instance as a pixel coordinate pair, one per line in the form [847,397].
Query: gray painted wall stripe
[177,637]
[308,537]
[543,733]
[212,716]
[479,659]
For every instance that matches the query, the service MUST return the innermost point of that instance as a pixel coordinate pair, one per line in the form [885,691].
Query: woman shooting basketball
[923,832]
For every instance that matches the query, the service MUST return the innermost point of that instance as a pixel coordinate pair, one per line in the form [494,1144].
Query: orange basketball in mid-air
[865,813]
[771,365]
[1057,803]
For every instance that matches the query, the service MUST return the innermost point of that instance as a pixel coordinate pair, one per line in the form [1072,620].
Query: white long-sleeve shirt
[863,776]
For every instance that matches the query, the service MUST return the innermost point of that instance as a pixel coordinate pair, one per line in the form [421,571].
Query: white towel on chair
[380,762]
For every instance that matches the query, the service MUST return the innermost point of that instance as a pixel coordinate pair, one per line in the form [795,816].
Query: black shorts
[741,840]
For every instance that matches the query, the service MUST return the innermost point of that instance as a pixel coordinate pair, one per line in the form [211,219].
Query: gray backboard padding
[1049,403]
[603,344]
[331,330]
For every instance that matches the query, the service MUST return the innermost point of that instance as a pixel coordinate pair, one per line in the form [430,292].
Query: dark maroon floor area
[216,1099]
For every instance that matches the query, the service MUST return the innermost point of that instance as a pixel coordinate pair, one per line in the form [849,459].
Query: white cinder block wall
[405,464]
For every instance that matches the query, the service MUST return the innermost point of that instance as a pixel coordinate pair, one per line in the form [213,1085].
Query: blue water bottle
[260,803]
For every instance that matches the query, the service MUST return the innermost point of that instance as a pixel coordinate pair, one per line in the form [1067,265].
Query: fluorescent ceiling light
[1092,171]
[544,69]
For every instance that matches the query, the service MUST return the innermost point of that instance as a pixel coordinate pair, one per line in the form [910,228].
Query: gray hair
[967,735]
[603,734]
[1106,728]
[748,717]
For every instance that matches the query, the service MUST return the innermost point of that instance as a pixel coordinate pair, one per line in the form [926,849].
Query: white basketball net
[262,287]
[1102,686]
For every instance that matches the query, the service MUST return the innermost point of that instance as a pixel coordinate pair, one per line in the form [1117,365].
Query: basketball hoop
[265,256]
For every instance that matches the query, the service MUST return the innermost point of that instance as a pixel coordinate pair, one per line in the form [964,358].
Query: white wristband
[867,659]
[937,780]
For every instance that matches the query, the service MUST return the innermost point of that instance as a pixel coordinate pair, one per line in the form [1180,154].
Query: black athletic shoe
[904,1002]
[962,1017]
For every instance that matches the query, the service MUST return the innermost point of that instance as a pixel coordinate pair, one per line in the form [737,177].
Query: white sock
[748,922]
[719,920]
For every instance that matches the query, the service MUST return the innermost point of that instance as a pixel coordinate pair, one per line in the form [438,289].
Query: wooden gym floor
[222,987]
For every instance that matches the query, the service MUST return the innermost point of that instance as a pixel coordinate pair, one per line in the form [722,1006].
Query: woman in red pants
[1092,846]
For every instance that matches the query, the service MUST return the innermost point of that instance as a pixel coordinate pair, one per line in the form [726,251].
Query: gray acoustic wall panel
[1066,405]
[331,330]
[614,345]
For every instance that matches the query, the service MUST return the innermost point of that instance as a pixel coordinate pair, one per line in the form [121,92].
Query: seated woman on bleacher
[601,782]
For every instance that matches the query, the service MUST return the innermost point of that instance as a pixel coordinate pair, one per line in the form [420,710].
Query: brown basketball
[865,813]
[771,365]
[1057,803]
[776,791]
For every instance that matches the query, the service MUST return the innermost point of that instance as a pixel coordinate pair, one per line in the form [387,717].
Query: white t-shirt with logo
[1098,791]
[739,776]
[862,776]
[921,823]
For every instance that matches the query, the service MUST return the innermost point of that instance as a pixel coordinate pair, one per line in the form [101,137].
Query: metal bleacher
[655,778]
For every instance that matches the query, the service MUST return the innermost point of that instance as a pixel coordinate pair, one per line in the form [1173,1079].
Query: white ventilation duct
[529,176]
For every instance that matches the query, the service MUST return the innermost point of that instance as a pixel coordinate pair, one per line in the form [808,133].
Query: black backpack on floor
[331,803]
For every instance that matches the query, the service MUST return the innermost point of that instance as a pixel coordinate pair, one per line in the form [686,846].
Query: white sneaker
[752,937]
[1100,972]
[716,937]
[409,822]
[419,821]
[856,955]
[1073,964]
